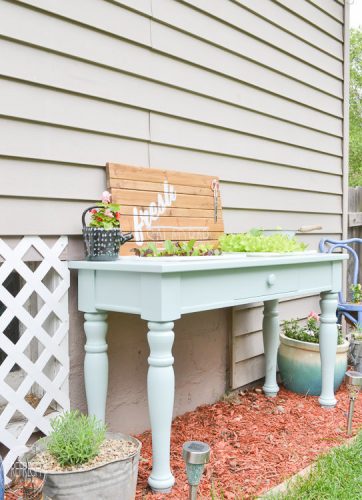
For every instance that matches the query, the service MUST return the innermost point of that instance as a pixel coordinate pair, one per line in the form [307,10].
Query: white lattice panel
[34,373]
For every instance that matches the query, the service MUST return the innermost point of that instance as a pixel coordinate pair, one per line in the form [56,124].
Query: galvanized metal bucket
[115,480]
[356,354]
[102,244]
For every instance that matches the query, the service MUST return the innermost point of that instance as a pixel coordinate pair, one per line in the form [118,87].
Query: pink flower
[106,197]
[94,211]
[313,315]
[108,212]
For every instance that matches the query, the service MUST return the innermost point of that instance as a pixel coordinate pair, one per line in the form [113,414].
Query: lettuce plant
[256,241]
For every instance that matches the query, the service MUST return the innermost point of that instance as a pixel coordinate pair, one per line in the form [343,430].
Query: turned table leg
[96,363]
[271,343]
[161,388]
[328,346]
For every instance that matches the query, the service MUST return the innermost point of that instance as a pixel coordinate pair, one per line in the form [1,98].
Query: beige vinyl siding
[247,353]
[251,91]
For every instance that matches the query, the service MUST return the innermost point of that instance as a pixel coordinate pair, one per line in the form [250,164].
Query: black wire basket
[24,484]
[102,244]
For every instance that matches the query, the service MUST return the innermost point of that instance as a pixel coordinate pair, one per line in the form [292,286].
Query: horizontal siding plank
[314,16]
[248,319]
[102,15]
[260,197]
[26,63]
[176,14]
[51,180]
[77,41]
[39,104]
[235,16]
[31,216]
[243,220]
[312,240]
[331,8]
[292,79]
[46,142]
[247,371]
[291,23]
[175,132]
[243,170]
[248,346]
[144,6]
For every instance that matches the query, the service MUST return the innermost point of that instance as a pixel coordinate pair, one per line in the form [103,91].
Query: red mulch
[256,442]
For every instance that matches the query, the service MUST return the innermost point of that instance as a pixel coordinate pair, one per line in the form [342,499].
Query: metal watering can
[102,244]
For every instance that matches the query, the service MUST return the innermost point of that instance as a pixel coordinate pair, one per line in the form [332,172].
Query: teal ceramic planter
[300,365]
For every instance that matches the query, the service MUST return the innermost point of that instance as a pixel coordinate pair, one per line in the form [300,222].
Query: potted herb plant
[103,236]
[81,461]
[299,357]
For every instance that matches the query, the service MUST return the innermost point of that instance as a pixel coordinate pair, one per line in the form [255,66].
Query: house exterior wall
[249,91]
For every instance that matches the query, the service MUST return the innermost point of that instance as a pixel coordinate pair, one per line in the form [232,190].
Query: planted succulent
[179,249]
[256,241]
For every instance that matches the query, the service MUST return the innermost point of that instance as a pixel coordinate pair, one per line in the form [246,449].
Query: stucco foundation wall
[201,366]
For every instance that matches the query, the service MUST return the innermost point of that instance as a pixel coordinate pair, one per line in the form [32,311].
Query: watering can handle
[85,213]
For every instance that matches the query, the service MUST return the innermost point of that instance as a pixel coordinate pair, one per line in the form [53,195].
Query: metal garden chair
[345,307]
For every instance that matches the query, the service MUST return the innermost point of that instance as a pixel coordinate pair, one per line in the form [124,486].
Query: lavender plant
[75,438]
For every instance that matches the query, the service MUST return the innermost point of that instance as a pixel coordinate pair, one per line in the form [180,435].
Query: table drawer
[237,284]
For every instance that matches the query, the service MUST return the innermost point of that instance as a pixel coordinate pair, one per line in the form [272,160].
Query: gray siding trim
[346,121]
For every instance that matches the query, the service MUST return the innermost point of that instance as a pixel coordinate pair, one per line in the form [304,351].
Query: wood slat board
[159,205]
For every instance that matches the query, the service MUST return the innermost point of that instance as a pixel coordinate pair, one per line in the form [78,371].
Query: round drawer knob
[271,280]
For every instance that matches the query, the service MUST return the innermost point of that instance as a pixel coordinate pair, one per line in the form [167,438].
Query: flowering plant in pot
[299,357]
[103,236]
[81,460]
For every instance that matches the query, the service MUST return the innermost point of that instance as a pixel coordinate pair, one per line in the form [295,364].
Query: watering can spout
[126,237]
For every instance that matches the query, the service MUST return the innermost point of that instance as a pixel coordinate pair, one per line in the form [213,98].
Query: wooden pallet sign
[159,205]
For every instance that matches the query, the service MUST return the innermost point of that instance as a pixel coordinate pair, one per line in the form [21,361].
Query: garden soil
[256,442]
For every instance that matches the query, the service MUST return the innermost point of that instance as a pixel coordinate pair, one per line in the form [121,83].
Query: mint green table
[160,291]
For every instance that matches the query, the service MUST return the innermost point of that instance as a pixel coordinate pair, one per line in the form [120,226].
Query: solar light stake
[354,383]
[196,454]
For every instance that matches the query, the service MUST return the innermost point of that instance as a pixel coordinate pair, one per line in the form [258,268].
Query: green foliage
[306,333]
[107,216]
[181,249]
[256,241]
[355,109]
[75,438]
[356,332]
[356,293]
[337,475]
